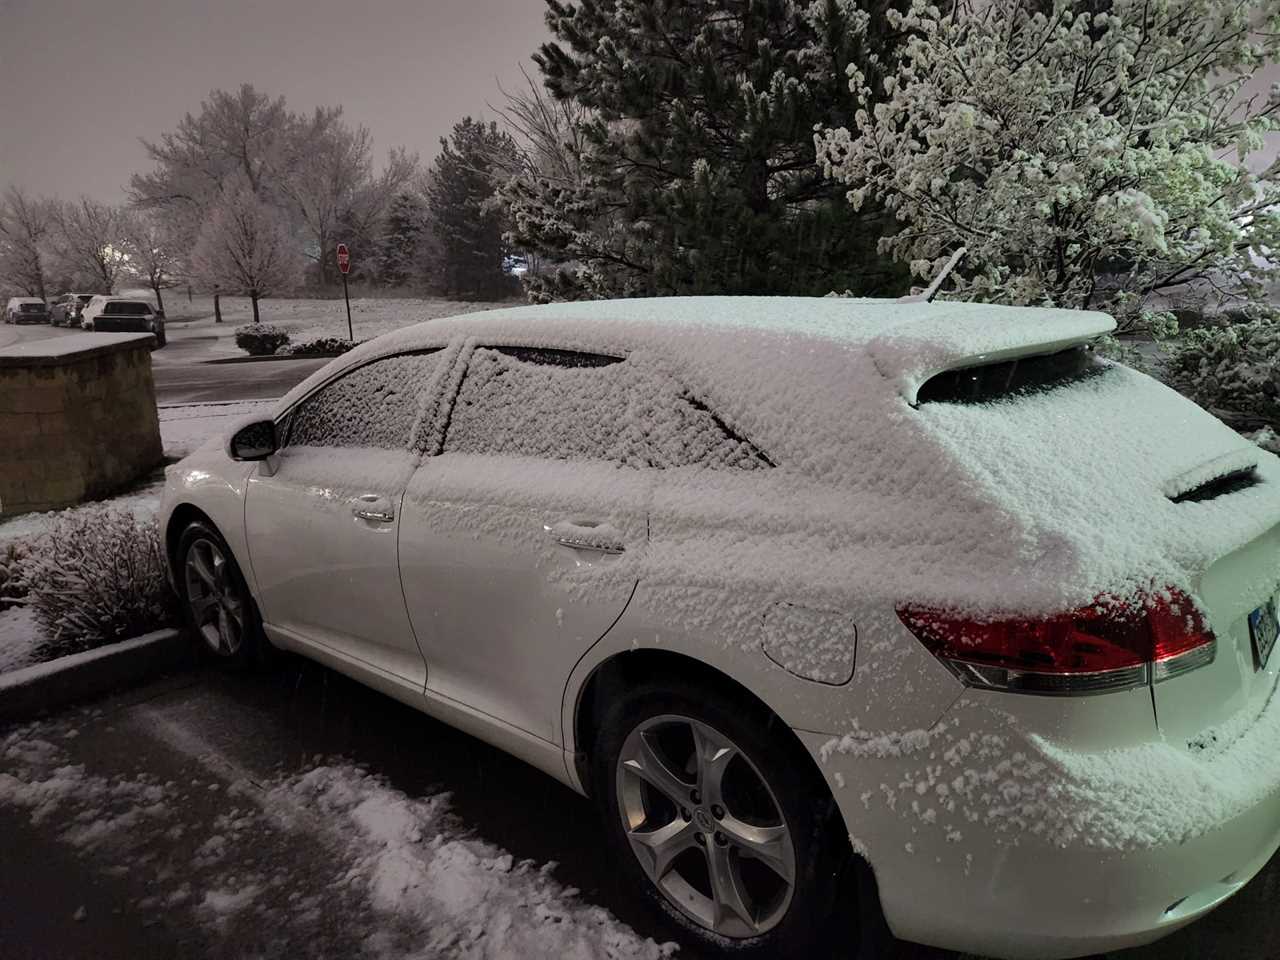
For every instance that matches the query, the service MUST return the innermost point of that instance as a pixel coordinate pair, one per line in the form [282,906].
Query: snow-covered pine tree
[468,247]
[400,243]
[698,171]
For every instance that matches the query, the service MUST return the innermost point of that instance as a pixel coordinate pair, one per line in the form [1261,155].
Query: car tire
[811,846]
[217,607]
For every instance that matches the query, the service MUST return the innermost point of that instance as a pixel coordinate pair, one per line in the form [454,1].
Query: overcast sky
[82,80]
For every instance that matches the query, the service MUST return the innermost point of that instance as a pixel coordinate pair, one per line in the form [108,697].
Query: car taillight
[1104,647]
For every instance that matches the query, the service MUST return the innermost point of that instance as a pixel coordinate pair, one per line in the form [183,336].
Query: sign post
[344,265]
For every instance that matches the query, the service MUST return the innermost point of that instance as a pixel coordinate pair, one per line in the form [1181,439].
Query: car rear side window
[563,405]
[374,405]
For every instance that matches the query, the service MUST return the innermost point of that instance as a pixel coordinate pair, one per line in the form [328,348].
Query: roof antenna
[931,291]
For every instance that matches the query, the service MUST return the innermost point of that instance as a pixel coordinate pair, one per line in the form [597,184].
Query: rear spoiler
[933,338]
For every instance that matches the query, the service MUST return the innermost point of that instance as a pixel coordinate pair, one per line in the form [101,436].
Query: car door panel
[502,607]
[324,572]
[323,514]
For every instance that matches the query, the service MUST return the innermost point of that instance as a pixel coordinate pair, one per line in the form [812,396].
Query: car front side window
[374,405]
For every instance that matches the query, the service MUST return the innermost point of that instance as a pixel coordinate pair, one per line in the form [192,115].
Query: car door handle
[370,506]
[587,535]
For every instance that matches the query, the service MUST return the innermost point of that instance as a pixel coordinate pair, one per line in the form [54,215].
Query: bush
[14,558]
[321,346]
[98,575]
[261,339]
[1233,371]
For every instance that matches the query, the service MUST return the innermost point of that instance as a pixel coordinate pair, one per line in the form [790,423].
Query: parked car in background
[65,311]
[826,602]
[26,310]
[120,315]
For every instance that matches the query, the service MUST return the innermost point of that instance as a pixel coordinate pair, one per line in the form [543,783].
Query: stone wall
[77,419]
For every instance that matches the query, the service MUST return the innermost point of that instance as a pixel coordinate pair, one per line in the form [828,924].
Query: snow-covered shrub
[1266,438]
[261,339]
[14,558]
[1232,370]
[98,575]
[321,346]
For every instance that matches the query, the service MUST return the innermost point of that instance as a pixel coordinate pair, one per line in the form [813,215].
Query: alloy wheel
[217,609]
[705,826]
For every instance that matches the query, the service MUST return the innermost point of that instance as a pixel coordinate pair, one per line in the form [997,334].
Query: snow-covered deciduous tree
[466,255]
[1087,154]
[25,226]
[244,137]
[335,191]
[89,238]
[315,168]
[245,247]
[692,169]
[153,255]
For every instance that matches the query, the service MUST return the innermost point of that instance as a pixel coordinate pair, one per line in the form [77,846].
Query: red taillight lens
[1107,646]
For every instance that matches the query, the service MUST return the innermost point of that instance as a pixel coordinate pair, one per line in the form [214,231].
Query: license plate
[1263,629]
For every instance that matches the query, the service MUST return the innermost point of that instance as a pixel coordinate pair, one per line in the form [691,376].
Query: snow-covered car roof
[768,364]
[17,300]
[909,341]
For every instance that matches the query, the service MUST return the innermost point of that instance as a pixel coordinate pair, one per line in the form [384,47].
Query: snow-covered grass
[403,874]
[306,319]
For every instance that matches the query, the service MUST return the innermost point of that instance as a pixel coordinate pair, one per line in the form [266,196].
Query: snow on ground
[183,427]
[303,319]
[18,639]
[328,843]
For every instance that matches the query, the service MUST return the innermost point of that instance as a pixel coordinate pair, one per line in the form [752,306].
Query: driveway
[112,878]
[182,373]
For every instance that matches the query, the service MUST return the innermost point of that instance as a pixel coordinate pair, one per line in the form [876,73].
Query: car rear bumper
[1018,857]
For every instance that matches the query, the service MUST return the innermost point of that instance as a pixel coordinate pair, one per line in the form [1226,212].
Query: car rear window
[32,307]
[1009,378]
[127,309]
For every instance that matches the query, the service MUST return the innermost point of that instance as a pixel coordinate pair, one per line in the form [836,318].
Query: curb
[37,689]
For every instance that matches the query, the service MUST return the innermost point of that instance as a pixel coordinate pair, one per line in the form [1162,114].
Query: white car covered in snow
[919,605]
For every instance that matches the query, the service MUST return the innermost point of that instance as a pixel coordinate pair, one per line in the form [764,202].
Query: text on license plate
[1263,629]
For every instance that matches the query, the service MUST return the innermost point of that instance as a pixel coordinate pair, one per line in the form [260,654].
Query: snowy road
[298,814]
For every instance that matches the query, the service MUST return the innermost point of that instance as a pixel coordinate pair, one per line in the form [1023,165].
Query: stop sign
[344,258]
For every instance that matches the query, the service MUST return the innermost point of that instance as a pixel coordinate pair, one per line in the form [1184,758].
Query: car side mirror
[255,441]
